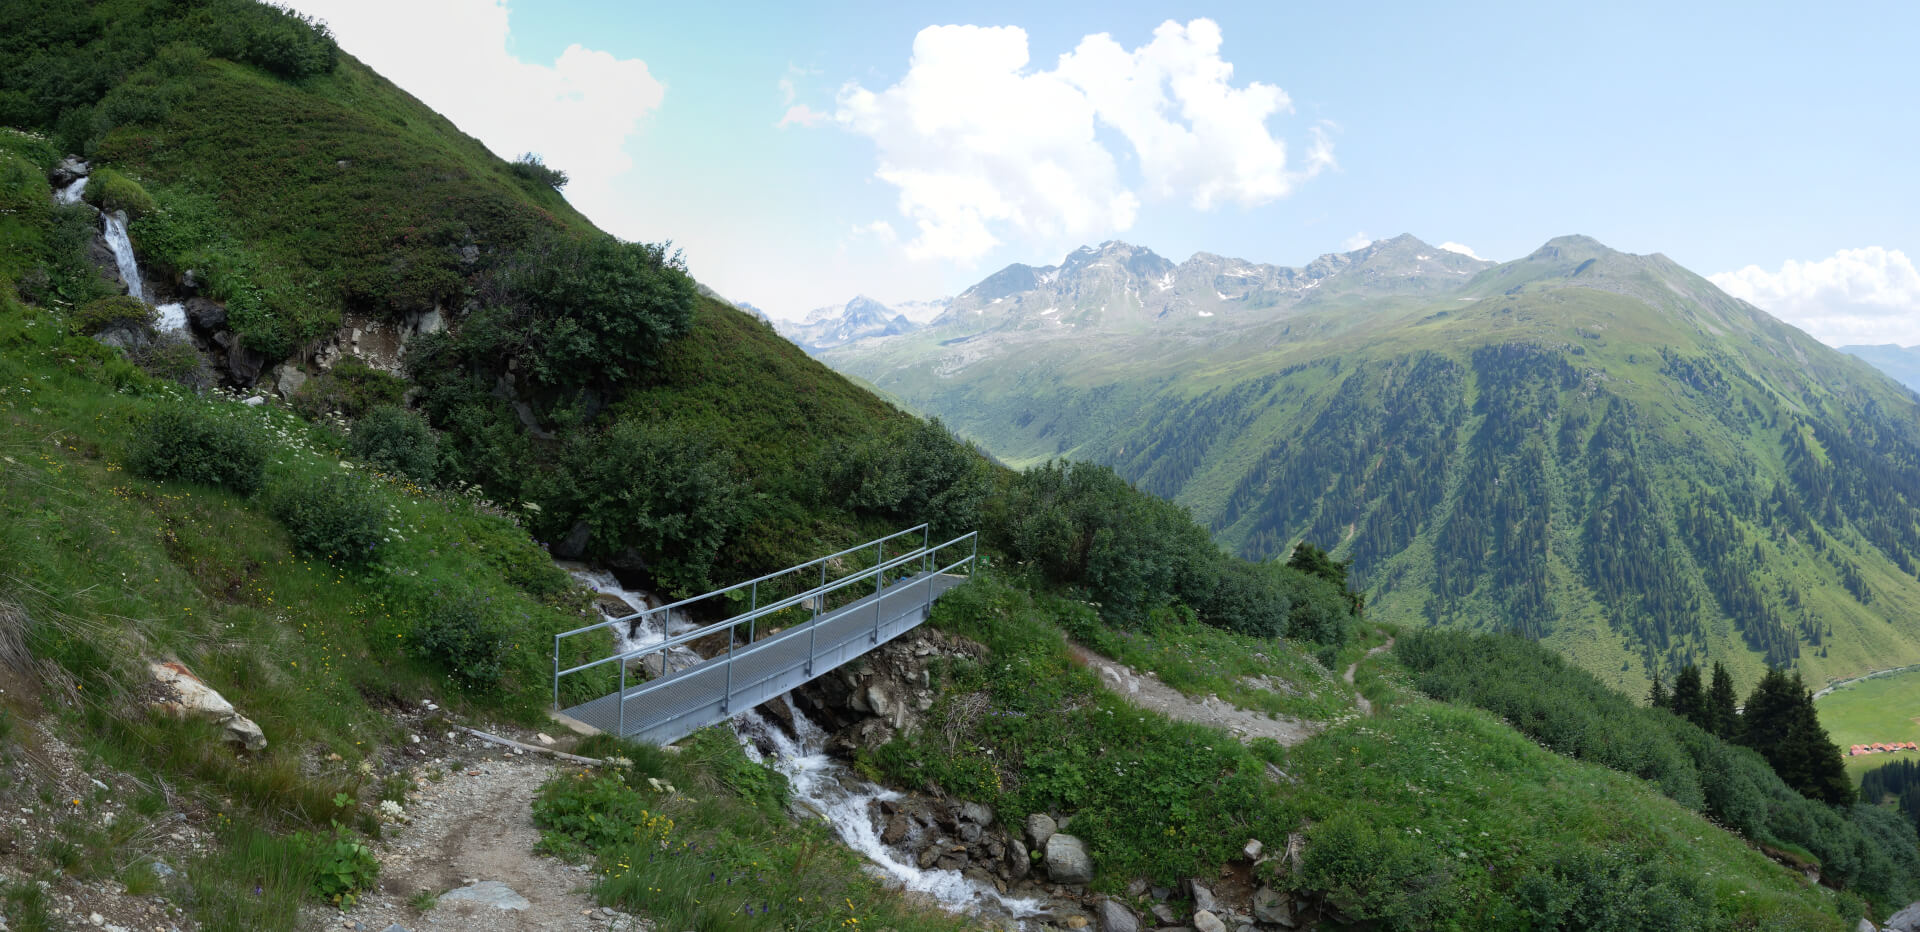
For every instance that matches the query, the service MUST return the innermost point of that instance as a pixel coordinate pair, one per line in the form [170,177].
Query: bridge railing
[925,554]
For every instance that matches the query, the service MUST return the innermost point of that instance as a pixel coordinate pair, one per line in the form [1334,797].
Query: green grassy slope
[1595,449]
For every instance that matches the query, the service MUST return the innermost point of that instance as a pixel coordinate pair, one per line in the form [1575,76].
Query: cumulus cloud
[576,112]
[977,143]
[1462,249]
[1356,242]
[1869,295]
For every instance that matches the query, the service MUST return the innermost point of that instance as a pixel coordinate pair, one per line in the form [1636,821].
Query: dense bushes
[1082,525]
[111,190]
[336,517]
[172,356]
[1571,712]
[397,439]
[461,635]
[916,473]
[592,309]
[531,167]
[192,444]
[108,313]
[665,495]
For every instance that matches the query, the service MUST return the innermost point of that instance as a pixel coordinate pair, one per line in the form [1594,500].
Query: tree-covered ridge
[1595,449]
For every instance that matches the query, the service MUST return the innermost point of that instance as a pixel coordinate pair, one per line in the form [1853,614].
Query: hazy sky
[802,156]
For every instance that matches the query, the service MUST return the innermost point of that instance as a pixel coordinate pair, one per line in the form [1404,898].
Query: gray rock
[1251,851]
[878,700]
[487,893]
[288,380]
[1272,908]
[969,833]
[1906,920]
[977,814]
[1137,888]
[1040,827]
[1164,913]
[1114,917]
[396,927]
[896,831]
[1865,926]
[574,545]
[1202,897]
[1067,859]
[1019,863]
[206,315]
[1204,921]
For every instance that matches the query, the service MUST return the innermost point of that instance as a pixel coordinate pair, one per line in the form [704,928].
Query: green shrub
[397,439]
[107,313]
[336,517]
[344,866]
[192,444]
[351,387]
[532,168]
[172,356]
[111,190]
[460,633]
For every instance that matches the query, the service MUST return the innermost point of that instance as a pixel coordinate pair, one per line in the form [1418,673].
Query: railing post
[880,576]
[726,701]
[622,732]
[973,561]
[754,607]
[820,597]
[926,556]
[556,673]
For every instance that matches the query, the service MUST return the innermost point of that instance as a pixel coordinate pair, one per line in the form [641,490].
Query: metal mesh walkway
[666,709]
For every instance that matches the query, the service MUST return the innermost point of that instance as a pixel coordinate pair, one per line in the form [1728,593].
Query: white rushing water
[173,316]
[847,801]
[71,193]
[114,226]
[656,628]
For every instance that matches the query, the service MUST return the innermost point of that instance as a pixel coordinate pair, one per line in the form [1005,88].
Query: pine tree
[1781,724]
[1657,697]
[1689,699]
[1722,718]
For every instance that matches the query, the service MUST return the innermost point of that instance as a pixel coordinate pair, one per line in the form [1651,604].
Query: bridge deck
[664,710]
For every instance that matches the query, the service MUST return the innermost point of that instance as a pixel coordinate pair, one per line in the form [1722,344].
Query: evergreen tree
[1722,718]
[1781,724]
[1657,697]
[1689,699]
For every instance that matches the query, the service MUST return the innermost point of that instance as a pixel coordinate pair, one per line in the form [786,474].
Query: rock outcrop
[177,692]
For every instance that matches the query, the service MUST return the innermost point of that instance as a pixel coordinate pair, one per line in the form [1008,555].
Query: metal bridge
[845,621]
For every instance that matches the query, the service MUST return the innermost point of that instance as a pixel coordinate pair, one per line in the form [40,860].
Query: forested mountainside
[390,377]
[1595,449]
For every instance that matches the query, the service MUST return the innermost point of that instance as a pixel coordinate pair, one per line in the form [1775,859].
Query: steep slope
[1593,448]
[1901,363]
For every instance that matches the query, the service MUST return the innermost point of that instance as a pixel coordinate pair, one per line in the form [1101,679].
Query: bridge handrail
[767,644]
[741,585]
[737,620]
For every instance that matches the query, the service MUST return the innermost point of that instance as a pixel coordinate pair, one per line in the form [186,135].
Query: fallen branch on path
[509,742]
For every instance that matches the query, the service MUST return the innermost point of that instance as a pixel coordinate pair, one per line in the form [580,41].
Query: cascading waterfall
[114,225]
[658,627]
[847,801]
[71,193]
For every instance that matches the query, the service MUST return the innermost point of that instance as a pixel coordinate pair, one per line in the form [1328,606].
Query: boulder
[1202,897]
[179,693]
[1252,850]
[1205,921]
[487,893]
[287,380]
[1067,860]
[1865,926]
[1019,863]
[1040,827]
[1906,920]
[1272,908]
[977,814]
[896,831]
[206,315]
[1114,917]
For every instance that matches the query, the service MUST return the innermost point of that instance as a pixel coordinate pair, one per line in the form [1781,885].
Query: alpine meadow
[400,530]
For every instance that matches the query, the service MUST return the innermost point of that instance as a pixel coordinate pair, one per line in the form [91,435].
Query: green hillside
[1594,449]
[336,540]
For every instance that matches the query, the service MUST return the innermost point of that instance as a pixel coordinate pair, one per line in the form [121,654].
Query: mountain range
[1596,449]
[1903,363]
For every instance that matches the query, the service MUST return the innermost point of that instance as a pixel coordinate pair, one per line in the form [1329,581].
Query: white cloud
[1869,295]
[1462,249]
[576,112]
[978,144]
[1356,242]
[802,115]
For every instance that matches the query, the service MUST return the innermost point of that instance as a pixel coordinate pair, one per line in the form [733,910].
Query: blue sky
[1771,142]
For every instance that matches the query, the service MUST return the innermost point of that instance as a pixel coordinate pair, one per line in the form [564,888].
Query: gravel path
[1147,692]
[476,825]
